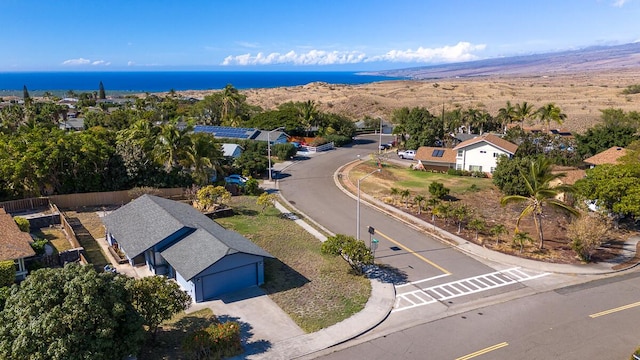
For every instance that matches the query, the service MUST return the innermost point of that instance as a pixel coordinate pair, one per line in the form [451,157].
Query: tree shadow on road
[387,274]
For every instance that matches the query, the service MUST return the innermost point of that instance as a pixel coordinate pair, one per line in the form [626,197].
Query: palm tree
[419,199]
[461,213]
[470,118]
[394,192]
[230,100]
[506,115]
[405,195]
[308,115]
[521,238]
[170,143]
[497,231]
[524,112]
[550,112]
[432,203]
[203,157]
[540,193]
[477,224]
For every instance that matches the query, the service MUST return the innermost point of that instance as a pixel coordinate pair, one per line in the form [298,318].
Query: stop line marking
[454,289]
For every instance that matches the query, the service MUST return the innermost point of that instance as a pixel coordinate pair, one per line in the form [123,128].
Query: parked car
[407,154]
[236,179]
[384,146]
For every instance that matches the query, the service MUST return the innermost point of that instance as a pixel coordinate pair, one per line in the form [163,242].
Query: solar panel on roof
[437,153]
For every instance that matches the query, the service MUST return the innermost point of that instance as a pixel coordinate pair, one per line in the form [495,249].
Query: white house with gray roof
[176,240]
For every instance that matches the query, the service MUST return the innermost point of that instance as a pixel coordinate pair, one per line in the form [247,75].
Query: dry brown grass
[581,95]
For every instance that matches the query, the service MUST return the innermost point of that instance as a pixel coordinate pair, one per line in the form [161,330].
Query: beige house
[609,156]
[14,244]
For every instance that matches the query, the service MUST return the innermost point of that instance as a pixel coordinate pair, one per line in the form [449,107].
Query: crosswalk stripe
[450,290]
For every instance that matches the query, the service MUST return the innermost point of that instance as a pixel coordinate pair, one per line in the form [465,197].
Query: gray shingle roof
[149,219]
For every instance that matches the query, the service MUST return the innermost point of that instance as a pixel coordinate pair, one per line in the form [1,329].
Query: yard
[314,289]
[483,198]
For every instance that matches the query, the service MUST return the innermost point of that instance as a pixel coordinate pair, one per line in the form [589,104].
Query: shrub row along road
[451,306]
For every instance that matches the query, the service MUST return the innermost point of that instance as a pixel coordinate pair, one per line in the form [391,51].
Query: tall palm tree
[539,194]
[203,158]
[470,118]
[506,115]
[309,115]
[524,112]
[230,100]
[550,112]
[170,144]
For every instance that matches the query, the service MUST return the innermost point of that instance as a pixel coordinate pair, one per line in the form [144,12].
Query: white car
[236,179]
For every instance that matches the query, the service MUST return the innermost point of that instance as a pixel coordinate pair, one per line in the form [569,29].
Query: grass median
[316,290]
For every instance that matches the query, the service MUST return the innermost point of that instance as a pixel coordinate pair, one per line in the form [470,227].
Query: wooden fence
[72,201]
[71,235]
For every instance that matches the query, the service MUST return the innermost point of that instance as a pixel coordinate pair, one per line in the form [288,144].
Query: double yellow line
[483,351]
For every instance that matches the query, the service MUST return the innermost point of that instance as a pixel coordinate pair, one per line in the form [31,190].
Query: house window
[460,152]
[495,155]
[475,168]
[483,151]
[458,166]
[492,169]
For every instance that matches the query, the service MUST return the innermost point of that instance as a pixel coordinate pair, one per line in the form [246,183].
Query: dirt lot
[485,203]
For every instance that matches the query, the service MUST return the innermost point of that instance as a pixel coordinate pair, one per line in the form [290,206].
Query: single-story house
[610,156]
[176,240]
[436,158]
[481,153]
[14,244]
[232,150]
[72,124]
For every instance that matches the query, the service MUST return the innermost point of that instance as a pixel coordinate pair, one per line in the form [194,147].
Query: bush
[318,141]
[437,190]
[7,273]
[454,172]
[631,89]
[23,224]
[284,151]
[4,294]
[252,187]
[217,341]
[38,246]
[338,140]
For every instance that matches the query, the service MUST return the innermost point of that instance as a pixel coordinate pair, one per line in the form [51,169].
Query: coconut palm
[203,157]
[477,224]
[461,213]
[309,115]
[539,194]
[230,100]
[432,203]
[506,115]
[521,238]
[550,112]
[394,193]
[170,143]
[419,199]
[524,112]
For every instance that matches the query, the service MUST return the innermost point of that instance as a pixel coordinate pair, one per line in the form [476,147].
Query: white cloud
[79,61]
[620,3]
[247,44]
[130,63]
[101,62]
[463,51]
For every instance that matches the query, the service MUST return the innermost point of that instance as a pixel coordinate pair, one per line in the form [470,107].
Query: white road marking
[454,289]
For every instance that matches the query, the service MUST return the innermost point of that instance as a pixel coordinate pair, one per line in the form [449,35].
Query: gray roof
[264,135]
[149,219]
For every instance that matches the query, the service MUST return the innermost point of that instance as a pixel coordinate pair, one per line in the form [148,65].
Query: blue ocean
[160,81]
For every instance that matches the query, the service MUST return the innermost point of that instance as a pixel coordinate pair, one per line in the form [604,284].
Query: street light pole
[269,148]
[358,205]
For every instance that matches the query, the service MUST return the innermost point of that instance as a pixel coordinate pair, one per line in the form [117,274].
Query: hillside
[580,82]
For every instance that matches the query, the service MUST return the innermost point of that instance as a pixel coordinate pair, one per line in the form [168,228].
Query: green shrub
[338,140]
[4,294]
[38,246]
[23,224]
[252,187]
[318,141]
[217,341]
[7,273]
[631,89]
[284,151]
[454,172]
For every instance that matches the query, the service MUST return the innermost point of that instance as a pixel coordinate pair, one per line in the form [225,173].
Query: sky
[298,35]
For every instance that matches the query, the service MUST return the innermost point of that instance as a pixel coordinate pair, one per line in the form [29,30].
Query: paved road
[420,259]
[572,323]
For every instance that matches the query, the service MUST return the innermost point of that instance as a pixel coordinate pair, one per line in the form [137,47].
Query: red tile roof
[14,244]
[491,139]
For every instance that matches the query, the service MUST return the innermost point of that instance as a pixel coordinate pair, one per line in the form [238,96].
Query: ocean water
[12,83]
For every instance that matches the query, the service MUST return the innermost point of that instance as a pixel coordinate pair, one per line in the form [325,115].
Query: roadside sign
[374,244]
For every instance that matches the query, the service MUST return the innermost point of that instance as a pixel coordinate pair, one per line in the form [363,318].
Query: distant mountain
[596,58]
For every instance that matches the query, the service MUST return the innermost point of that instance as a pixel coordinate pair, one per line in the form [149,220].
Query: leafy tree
[540,193]
[252,187]
[353,251]
[157,299]
[507,175]
[423,128]
[203,158]
[284,151]
[438,190]
[211,196]
[587,233]
[602,137]
[171,144]
[70,313]
[266,200]
[101,93]
[498,230]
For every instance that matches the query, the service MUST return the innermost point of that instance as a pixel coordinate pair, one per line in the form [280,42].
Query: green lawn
[314,289]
